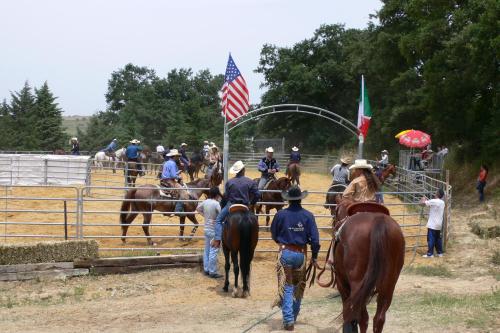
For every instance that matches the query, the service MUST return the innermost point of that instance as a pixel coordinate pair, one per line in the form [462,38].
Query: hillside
[71,123]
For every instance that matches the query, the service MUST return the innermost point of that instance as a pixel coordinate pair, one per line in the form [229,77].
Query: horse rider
[213,158]
[292,229]
[340,172]
[171,178]
[294,157]
[75,146]
[238,190]
[268,167]
[184,158]
[133,154]
[206,149]
[160,150]
[364,184]
[384,161]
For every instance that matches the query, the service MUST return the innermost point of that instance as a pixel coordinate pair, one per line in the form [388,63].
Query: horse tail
[126,204]
[375,269]
[246,253]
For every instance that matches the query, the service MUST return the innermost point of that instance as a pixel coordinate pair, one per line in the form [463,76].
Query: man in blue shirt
[171,178]
[238,190]
[292,229]
[111,148]
[268,167]
[133,154]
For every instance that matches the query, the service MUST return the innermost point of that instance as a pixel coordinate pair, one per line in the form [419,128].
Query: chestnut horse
[293,172]
[389,170]
[368,255]
[240,235]
[278,185]
[333,199]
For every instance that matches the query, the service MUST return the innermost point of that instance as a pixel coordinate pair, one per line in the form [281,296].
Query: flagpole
[361,139]
[225,149]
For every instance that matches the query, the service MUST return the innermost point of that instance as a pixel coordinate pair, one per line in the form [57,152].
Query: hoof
[124,241]
[246,294]
[225,289]
[235,293]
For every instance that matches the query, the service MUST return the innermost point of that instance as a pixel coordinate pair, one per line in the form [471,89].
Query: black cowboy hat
[294,193]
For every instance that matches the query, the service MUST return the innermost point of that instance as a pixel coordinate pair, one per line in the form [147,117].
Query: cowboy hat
[294,193]
[295,149]
[214,147]
[346,160]
[173,152]
[114,139]
[183,144]
[135,141]
[269,150]
[385,151]
[237,167]
[206,142]
[212,143]
[361,164]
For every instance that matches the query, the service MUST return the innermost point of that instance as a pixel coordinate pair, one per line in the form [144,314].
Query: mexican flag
[364,110]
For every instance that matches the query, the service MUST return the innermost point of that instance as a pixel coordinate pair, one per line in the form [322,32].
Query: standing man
[170,178]
[434,224]
[481,181]
[133,154]
[340,172]
[75,146]
[238,190]
[292,229]
[268,167]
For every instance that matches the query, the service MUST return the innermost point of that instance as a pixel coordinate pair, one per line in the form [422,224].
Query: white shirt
[385,159]
[160,149]
[436,213]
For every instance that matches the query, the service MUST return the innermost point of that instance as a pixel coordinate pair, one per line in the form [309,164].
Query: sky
[76,45]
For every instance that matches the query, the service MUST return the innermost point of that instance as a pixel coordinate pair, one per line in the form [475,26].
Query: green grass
[438,270]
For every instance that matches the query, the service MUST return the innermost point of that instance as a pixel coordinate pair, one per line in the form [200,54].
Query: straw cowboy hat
[237,167]
[205,142]
[346,160]
[135,141]
[214,147]
[385,151]
[269,150]
[295,149]
[173,152]
[184,144]
[361,164]
[294,193]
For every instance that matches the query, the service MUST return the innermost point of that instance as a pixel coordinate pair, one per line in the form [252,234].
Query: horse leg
[182,221]
[363,322]
[268,218]
[227,266]
[130,218]
[147,222]
[349,326]
[236,270]
[384,300]
[193,219]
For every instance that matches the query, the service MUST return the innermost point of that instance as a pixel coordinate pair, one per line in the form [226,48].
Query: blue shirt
[295,225]
[242,190]
[133,151]
[170,170]
[112,146]
[295,156]
[265,165]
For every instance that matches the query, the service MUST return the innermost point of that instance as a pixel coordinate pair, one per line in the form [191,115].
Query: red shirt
[482,175]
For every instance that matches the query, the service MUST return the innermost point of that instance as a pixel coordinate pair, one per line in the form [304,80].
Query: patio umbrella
[401,133]
[415,139]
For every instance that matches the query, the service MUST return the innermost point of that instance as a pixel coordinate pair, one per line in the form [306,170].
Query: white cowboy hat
[211,143]
[114,139]
[295,149]
[183,144]
[135,141]
[346,160]
[385,151]
[173,152]
[205,142]
[237,167]
[361,164]
[74,139]
[269,150]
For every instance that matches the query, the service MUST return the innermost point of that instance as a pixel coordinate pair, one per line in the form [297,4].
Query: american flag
[235,100]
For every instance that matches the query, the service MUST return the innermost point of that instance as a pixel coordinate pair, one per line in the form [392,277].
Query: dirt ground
[457,293]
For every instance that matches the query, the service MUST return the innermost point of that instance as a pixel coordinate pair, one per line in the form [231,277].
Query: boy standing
[434,224]
[210,208]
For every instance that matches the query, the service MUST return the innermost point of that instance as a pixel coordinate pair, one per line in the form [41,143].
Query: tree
[21,109]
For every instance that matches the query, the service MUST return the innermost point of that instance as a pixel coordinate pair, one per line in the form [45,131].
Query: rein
[314,266]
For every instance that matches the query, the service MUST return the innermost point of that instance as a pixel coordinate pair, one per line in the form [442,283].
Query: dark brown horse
[240,235]
[278,185]
[368,257]
[293,172]
[333,199]
[196,165]
[389,170]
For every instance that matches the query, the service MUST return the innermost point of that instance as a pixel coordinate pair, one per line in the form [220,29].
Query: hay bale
[47,252]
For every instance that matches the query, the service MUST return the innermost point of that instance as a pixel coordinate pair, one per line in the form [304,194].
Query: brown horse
[293,172]
[389,170]
[278,185]
[195,166]
[131,173]
[368,254]
[240,235]
[333,199]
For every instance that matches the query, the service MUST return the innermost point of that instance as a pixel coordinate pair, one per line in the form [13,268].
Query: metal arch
[294,108]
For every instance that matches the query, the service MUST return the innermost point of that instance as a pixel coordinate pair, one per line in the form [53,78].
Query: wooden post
[446,217]
[65,221]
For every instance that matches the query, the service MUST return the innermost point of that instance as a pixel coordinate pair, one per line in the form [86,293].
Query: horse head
[283,183]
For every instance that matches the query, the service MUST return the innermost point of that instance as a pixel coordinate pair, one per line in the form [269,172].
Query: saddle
[238,208]
[367,207]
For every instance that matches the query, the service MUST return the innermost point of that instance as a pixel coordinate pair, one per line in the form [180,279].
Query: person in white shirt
[434,224]
[384,159]
[160,149]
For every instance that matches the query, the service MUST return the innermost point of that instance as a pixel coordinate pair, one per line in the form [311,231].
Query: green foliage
[438,270]
[47,120]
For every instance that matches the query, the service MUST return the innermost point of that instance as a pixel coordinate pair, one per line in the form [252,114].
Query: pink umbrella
[415,139]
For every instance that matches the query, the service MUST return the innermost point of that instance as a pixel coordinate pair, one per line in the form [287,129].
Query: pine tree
[47,120]
[6,139]
[21,110]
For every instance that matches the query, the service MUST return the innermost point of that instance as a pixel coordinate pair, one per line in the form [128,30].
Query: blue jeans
[434,241]
[290,307]
[480,188]
[179,207]
[220,219]
[210,254]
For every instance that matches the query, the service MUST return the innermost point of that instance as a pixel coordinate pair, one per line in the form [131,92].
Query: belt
[293,247]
